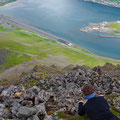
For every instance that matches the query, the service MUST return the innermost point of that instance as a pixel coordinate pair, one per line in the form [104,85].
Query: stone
[43,96]
[15,106]
[10,101]
[35,89]
[56,118]
[114,89]
[27,103]
[11,88]
[118,109]
[4,93]
[119,82]
[1,89]
[36,100]
[41,109]
[8,91]
[26,112]
[48,117]
[34,117]
[4,113]
[70,86]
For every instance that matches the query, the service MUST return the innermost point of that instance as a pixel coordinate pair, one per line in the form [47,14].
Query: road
[32,29]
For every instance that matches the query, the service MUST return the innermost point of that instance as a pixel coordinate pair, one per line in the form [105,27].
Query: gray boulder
[43,96]
[9,91]
[34,89]
[26,112]
[1,89]
[4,113]
[15,107]
[34,117]
[118,109]
[41,109]
[48,117]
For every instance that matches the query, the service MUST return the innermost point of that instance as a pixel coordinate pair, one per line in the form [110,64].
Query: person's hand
[101,95]
[82,101]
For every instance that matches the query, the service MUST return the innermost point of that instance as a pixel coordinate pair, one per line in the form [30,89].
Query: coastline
[7,2]
[33,29]
[67,44]
[112,4]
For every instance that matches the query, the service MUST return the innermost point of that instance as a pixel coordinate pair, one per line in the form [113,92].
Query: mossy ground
[70,117]
[114,111]
[25,46]
[14,59]
[112,97]
[62,115]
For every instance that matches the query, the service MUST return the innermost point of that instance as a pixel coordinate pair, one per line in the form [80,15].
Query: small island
[4,2]
[106,27]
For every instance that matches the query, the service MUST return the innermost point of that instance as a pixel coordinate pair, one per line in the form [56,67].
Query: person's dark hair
[88,89]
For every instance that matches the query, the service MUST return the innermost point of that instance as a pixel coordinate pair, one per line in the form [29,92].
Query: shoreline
[51,36]
[6,2]
[36,30]
[105,3]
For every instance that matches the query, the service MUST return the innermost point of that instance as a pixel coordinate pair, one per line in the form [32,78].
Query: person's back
[96,108]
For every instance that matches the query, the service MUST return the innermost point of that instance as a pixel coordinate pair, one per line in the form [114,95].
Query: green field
[115,26]
[26,46]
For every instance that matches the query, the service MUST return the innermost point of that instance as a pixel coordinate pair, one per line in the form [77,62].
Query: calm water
[64,18]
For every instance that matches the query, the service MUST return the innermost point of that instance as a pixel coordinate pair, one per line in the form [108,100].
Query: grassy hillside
[25,46]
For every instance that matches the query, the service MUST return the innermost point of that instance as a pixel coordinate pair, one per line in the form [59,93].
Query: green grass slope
[25,46]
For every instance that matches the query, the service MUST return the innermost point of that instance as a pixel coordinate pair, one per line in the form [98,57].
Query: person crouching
[96,107]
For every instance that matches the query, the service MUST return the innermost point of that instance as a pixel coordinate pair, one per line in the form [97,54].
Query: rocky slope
[46,91]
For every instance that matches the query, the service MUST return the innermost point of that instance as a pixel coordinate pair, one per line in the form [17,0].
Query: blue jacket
[96,108]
